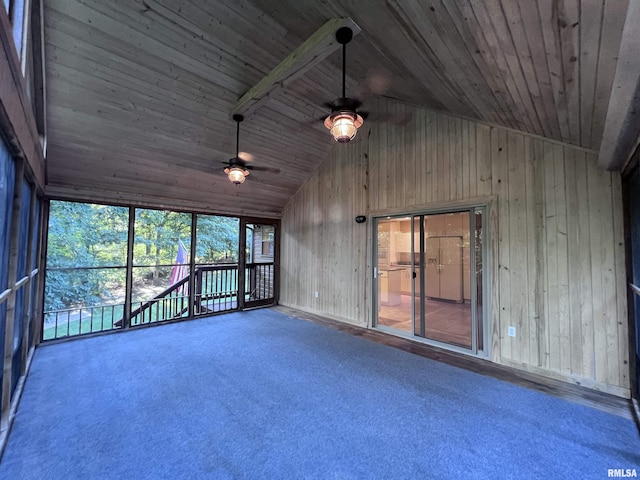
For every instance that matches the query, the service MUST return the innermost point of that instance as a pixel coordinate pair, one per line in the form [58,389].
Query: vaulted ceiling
[140,92]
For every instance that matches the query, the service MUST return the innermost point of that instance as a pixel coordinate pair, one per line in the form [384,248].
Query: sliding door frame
[489,271]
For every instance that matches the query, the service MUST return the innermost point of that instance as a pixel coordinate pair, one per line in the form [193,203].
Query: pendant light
[344,121]
[236,171]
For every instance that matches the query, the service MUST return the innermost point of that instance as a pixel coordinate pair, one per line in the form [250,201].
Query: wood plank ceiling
[140,91]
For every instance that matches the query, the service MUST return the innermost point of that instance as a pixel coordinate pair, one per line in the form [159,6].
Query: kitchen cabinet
[405,284]
[389,285]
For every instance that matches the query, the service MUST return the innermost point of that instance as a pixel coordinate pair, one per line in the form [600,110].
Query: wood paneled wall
[558,257]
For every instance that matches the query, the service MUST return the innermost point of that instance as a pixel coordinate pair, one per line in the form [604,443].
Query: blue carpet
[262,395]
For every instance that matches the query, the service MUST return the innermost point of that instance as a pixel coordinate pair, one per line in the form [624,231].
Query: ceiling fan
[344,119]
[236,168]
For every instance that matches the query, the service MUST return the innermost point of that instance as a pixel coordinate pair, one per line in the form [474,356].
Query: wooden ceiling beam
[312,51]
[622,128]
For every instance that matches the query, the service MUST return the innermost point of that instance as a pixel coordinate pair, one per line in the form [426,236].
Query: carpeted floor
[262,395]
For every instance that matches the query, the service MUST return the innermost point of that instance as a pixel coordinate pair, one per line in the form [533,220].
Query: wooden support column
[11,301]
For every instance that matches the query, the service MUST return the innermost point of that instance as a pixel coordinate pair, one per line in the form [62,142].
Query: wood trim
[78,194]
[435,206]
[622,129]
[39,80]
[17,122]
[26,32]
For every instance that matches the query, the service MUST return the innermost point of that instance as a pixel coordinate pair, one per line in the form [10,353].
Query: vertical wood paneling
[537,267]
[471,152]
[517,264]
[596,198]
[483,142]
[584,287]
[552,353]
[571,188]
[500,188]
[557,271]
[561,244]
[432,147]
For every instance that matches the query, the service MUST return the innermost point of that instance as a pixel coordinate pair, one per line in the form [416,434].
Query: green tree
[217,239]
[83,235]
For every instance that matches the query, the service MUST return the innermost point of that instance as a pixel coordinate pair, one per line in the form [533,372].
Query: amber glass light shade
[236,174]
[343,125]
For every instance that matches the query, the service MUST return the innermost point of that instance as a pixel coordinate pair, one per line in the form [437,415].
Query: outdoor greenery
[84,239]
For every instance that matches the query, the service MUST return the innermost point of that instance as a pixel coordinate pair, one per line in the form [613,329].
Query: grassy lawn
[77,322]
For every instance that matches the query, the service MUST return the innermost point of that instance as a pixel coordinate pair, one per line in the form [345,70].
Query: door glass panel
[260,267]
[447,297]
[394,280]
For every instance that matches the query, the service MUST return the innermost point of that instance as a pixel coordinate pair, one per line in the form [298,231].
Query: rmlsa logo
[622,472]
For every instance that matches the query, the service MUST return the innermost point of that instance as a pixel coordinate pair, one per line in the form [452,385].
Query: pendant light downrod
[238,118]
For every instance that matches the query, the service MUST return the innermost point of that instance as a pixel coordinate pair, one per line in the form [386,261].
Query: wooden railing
[172,302]
[216,290]
[259,281]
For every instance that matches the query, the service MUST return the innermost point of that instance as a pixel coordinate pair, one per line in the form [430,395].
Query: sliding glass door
[428,277]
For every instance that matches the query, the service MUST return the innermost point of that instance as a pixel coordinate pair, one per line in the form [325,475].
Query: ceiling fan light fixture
[236,174]
[343,125]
